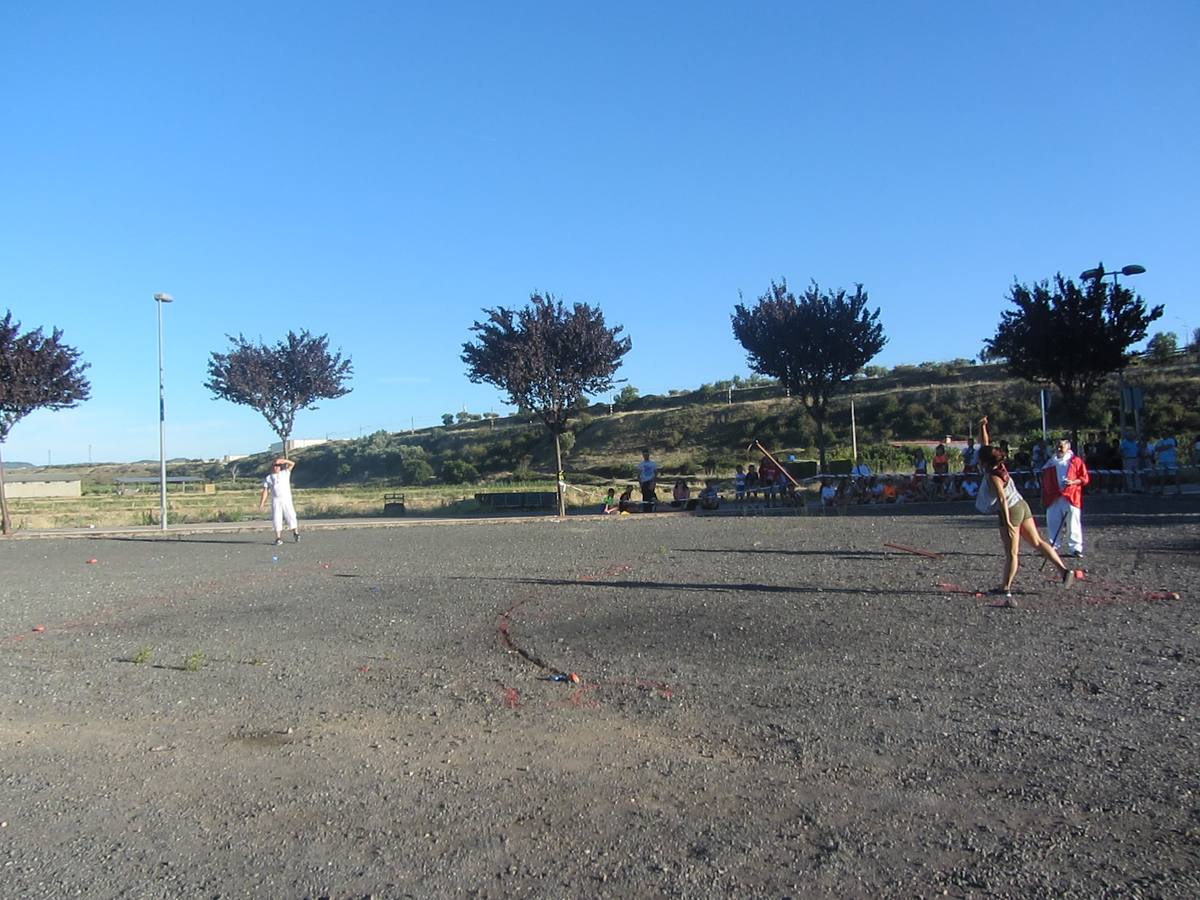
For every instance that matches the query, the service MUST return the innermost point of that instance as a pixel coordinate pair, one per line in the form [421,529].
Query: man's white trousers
[283,511]
[1065,524]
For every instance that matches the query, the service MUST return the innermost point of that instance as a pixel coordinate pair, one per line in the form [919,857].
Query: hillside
[713,423]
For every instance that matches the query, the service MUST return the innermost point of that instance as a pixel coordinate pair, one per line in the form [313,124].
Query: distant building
[41,486]
[297,444]
[233,457]
[132,485]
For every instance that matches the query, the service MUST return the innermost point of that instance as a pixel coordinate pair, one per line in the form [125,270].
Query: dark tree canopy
[279,381]
[1070,335]
[36,372]
[546,357]
[811,343]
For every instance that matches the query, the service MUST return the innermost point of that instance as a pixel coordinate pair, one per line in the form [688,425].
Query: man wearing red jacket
[1063,480]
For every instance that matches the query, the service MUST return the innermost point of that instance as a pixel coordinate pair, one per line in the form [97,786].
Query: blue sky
[381,171]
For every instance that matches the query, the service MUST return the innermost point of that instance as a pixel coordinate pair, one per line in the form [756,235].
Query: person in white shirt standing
[647,480]
[278,486]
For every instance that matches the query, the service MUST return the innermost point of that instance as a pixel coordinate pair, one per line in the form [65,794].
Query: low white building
[29,486]
[297,444]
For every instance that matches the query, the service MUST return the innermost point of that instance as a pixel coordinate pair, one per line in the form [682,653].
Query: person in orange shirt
[941,467]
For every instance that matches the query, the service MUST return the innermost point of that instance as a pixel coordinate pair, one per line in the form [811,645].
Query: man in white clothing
[1064,477]
[278,485]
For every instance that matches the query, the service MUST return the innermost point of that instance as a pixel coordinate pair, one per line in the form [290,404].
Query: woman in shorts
[1016,518]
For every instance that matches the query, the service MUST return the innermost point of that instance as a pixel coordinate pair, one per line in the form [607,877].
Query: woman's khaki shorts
[1017,514]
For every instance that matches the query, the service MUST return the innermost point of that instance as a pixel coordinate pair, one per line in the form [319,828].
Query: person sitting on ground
[954,487]
[610,502]
[828,492]
[625,502]
[930,489]
[889,493]
[970,487]
[710,497]
[680,494]
[845,492]
[874,491]
[913,489]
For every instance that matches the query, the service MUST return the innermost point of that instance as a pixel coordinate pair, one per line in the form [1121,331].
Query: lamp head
[1132,270]
[163,298]
[1090,274]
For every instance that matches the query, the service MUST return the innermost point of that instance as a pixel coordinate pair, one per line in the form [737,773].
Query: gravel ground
[767,707]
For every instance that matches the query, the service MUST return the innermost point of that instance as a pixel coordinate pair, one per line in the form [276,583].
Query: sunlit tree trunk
[558,475]
[5,522]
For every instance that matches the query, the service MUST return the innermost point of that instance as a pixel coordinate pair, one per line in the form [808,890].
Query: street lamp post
[159,300]
[1096,275]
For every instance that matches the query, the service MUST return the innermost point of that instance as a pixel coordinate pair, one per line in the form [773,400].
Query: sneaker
[296,537]
[278,542]
[1000,592]
[1068,578]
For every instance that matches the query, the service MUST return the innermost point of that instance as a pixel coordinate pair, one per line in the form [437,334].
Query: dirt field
[767,707]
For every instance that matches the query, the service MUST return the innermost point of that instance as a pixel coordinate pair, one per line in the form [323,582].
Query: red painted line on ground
[585,695]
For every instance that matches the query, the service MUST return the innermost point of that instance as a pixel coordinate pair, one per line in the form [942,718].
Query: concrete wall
[15,489]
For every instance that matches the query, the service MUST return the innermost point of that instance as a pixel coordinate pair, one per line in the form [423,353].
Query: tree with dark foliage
[279,381]
[36,372]
[1073,336]
[811,343]
[546,358]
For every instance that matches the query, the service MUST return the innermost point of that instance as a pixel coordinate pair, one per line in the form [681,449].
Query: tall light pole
[159,300]
[1096,275]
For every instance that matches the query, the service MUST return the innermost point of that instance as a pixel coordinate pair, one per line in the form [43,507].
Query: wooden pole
[781,468]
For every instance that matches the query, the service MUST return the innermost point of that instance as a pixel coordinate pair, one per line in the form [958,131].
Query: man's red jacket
[1074,492]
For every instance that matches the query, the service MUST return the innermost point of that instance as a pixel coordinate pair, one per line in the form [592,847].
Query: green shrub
[456,471]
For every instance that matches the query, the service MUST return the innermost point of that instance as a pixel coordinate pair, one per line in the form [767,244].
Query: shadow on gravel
[729,588]
[183,538]
[833,554]
[1138,520]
